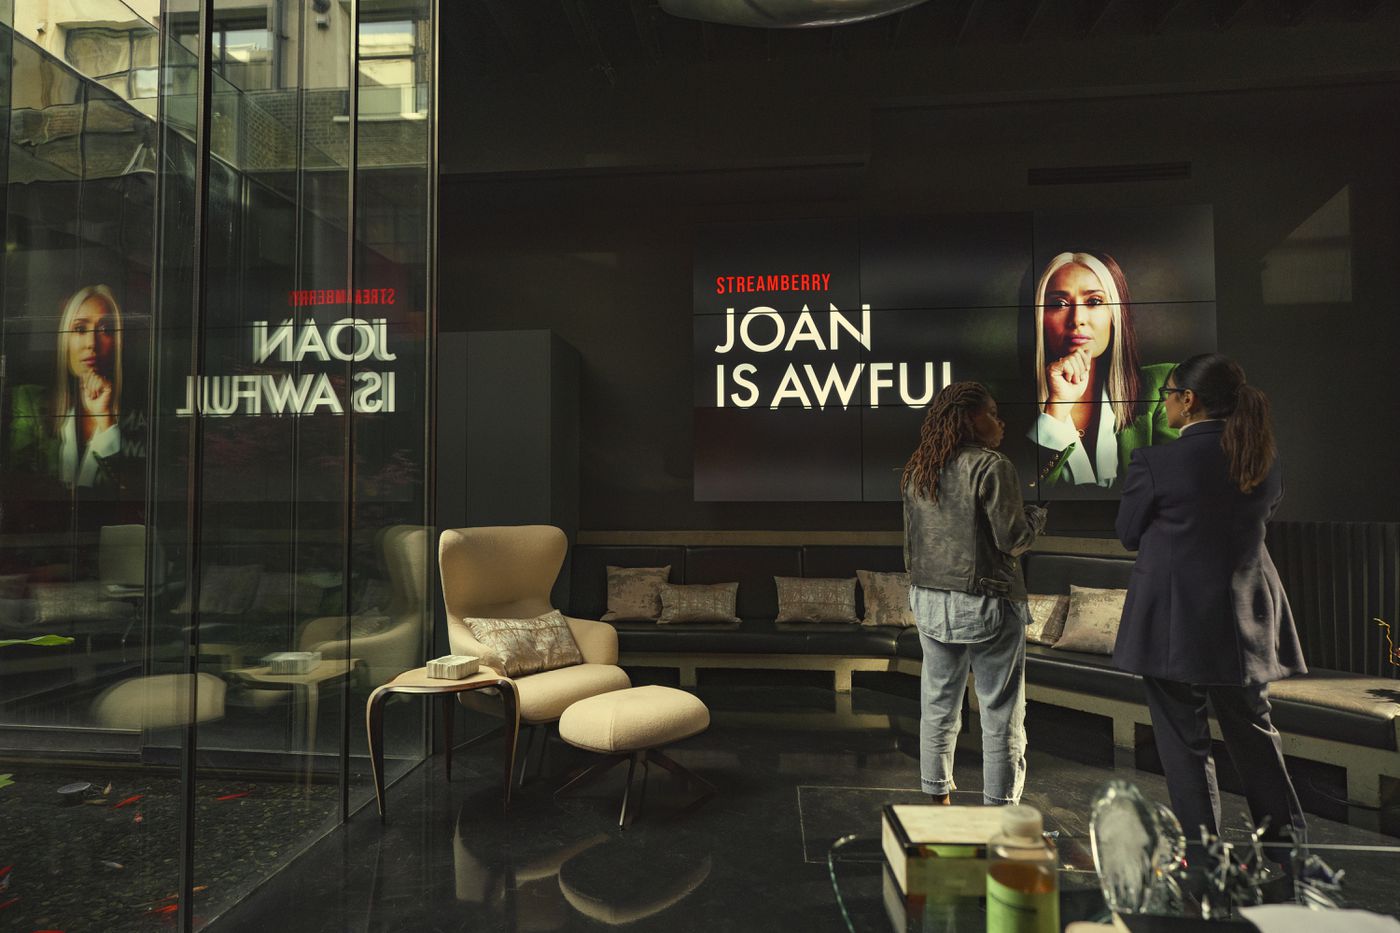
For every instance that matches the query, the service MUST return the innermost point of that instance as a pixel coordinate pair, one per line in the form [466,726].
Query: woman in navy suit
[1206,618]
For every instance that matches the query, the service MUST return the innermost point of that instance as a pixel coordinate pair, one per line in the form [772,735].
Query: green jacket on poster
[1103,461]
[32,445]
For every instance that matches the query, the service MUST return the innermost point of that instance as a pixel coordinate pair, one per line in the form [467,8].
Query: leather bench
[1347,719]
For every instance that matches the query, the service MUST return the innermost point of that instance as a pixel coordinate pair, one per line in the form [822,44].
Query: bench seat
[1346,719]
[757,635]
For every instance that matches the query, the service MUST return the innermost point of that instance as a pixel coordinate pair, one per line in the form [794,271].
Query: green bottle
[1023,885]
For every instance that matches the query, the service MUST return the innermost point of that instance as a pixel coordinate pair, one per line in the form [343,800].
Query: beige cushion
[58,604]
[1048,613]
[699,602]
[225,589]
[816,599]
[1092,622]
[546,695]
[634,593]
[886,598]
[1376,697]
[519,647]
[630,720]
[159,701]
[287,592]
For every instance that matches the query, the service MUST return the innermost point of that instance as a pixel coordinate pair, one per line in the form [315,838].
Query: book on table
[936,850]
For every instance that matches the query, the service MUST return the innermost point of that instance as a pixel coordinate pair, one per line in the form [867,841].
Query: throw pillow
[816,599]
[517,647]
[699,602]
[1048,614]
[225,589]
[64,603]
[1092,622]
[886,598]
[634,593]
[363,625]
[285,592]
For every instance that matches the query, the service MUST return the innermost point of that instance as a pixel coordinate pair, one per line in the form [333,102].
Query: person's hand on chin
[95,394]
[1067,380]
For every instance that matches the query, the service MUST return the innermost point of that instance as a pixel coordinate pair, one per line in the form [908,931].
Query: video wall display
[75,407]
[818,344]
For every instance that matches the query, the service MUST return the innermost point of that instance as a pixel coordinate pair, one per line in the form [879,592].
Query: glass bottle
[1023,888]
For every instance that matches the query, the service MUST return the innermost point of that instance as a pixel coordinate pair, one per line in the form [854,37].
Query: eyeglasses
[1164,391]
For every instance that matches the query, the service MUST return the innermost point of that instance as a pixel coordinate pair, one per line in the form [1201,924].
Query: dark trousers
[1183,741]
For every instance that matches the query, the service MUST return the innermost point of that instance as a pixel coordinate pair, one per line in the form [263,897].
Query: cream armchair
[506,572]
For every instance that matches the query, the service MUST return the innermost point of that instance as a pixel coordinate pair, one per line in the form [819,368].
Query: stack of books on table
[938,850]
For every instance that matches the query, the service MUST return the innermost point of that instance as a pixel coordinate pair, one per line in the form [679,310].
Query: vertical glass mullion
[195,485]
[348,481]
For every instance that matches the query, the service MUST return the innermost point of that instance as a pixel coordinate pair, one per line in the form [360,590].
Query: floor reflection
[795,767]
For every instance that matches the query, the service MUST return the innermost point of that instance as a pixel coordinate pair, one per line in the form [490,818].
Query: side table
[306,693]
[418,681]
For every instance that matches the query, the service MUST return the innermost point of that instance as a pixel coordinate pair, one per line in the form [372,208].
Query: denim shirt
[956,618]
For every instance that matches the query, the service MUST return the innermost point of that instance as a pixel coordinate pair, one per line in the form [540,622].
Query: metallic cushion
[517,647]
[634,593]
[699,602]
[886,598]
[819,599]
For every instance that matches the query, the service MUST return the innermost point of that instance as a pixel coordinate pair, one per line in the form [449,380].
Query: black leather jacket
[968,541]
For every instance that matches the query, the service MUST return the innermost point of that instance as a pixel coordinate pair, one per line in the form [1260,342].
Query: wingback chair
[506,572]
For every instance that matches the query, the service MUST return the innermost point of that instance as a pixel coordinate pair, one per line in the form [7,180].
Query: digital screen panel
[1071,319]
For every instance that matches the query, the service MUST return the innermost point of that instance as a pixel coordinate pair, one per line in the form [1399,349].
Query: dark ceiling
[605,37]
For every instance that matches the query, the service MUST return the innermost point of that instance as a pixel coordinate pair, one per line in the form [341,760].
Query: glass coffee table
[870,901]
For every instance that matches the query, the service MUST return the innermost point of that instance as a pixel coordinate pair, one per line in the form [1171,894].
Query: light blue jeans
[987,634]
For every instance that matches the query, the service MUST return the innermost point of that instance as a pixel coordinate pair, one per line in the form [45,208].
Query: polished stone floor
[797,767]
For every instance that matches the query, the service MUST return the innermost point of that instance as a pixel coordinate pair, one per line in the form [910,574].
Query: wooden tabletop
[418,681]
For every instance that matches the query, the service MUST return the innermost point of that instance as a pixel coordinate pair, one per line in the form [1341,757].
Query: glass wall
[214,354]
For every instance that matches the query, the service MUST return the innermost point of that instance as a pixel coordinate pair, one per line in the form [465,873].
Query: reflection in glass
[178,549]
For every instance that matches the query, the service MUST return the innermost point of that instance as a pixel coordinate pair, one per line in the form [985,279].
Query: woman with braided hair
[964,528]
[1206,618]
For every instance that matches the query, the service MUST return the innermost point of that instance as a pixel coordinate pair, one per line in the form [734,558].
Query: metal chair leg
[632,804]
[624,819]
[591,773]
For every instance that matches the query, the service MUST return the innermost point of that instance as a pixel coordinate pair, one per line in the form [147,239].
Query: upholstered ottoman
[631,725]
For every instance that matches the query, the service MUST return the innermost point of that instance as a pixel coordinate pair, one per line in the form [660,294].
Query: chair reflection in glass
[387,640]
[538,880]
[506,572]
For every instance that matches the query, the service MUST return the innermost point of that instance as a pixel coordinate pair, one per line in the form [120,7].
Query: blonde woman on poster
[77,431]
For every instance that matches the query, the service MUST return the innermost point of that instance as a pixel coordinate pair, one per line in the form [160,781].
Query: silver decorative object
[1315,883]
[1138,851]
[785,14]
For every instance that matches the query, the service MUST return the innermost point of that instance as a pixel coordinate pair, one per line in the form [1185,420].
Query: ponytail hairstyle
[947,426]
[1219,383]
